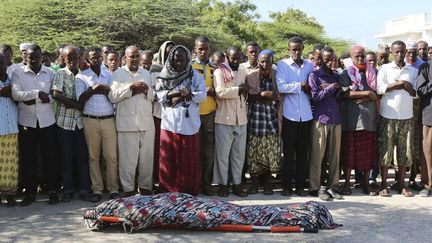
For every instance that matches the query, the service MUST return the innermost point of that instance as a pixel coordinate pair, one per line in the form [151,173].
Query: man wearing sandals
[395,82]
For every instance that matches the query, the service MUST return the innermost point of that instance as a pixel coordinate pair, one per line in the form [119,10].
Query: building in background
[413,27]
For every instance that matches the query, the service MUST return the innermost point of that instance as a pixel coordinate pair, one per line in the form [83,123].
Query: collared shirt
[8,112]
[325,104]
[245,69]
[231,107]
[183,119]
[25,87]
[67,118]
[205,71]
[133,113]
[289,76]
[396,104]
[98,104]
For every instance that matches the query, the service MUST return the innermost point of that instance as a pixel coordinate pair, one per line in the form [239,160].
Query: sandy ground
[364,219]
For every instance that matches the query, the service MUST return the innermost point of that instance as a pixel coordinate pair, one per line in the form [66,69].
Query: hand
[324,85]
[101,89]
[407,86]
[186,94]
[30,102]
[176,100]
[138,87]
[267,94]
[44,97]
[242,89]
[5,91]
[211,91]
[305,87]
[372,96]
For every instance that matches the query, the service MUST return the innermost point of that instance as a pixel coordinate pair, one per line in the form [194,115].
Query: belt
[98,117]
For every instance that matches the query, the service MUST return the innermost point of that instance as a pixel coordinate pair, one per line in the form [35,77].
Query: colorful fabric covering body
[190,212]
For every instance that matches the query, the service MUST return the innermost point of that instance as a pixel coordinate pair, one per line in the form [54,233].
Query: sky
[357,20]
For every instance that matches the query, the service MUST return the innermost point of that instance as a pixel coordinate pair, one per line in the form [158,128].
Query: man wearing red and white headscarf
[359,83]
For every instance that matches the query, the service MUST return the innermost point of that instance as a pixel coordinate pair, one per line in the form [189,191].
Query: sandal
[384,193]
[406,193]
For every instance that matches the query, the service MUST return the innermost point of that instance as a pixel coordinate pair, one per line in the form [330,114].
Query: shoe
[286,191]
[27,200]
[240,190]
[415,186]
[324,195]
[425,192]
[207,191]
[67,197]
[313,193]
[268,189]
[253,189]
[129,194]
[53,198]
[223,191]
[334,194]
[11,202]
[145,192]
[114,195]
[95,198]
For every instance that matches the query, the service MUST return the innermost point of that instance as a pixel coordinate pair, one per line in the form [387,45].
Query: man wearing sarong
[180,89]
[358,105]
[395,82]
[263,150]
[8,137]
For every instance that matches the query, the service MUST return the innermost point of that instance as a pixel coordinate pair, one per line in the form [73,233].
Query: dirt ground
[364,219]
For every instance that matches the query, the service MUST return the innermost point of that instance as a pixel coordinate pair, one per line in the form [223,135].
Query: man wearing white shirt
[92,88]
[31,87]
[133,97]
[395,82]
[291,77]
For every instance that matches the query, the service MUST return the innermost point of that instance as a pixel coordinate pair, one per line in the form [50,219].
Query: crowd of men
[98,119]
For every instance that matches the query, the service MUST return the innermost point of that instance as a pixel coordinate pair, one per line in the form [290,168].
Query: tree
[147,23]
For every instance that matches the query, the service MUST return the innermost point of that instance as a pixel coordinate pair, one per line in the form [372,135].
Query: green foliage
[147,23]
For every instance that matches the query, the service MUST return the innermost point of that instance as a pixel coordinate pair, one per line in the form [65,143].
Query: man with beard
[230,127]
[131,93]
[291,76]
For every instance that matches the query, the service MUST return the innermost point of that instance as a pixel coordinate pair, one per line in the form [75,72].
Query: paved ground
[365,219]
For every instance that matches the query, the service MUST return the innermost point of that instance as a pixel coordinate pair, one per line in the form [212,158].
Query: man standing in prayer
[92,88]
[230,127]
[205,68]
[131,93]
[292,79]
[395,83]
